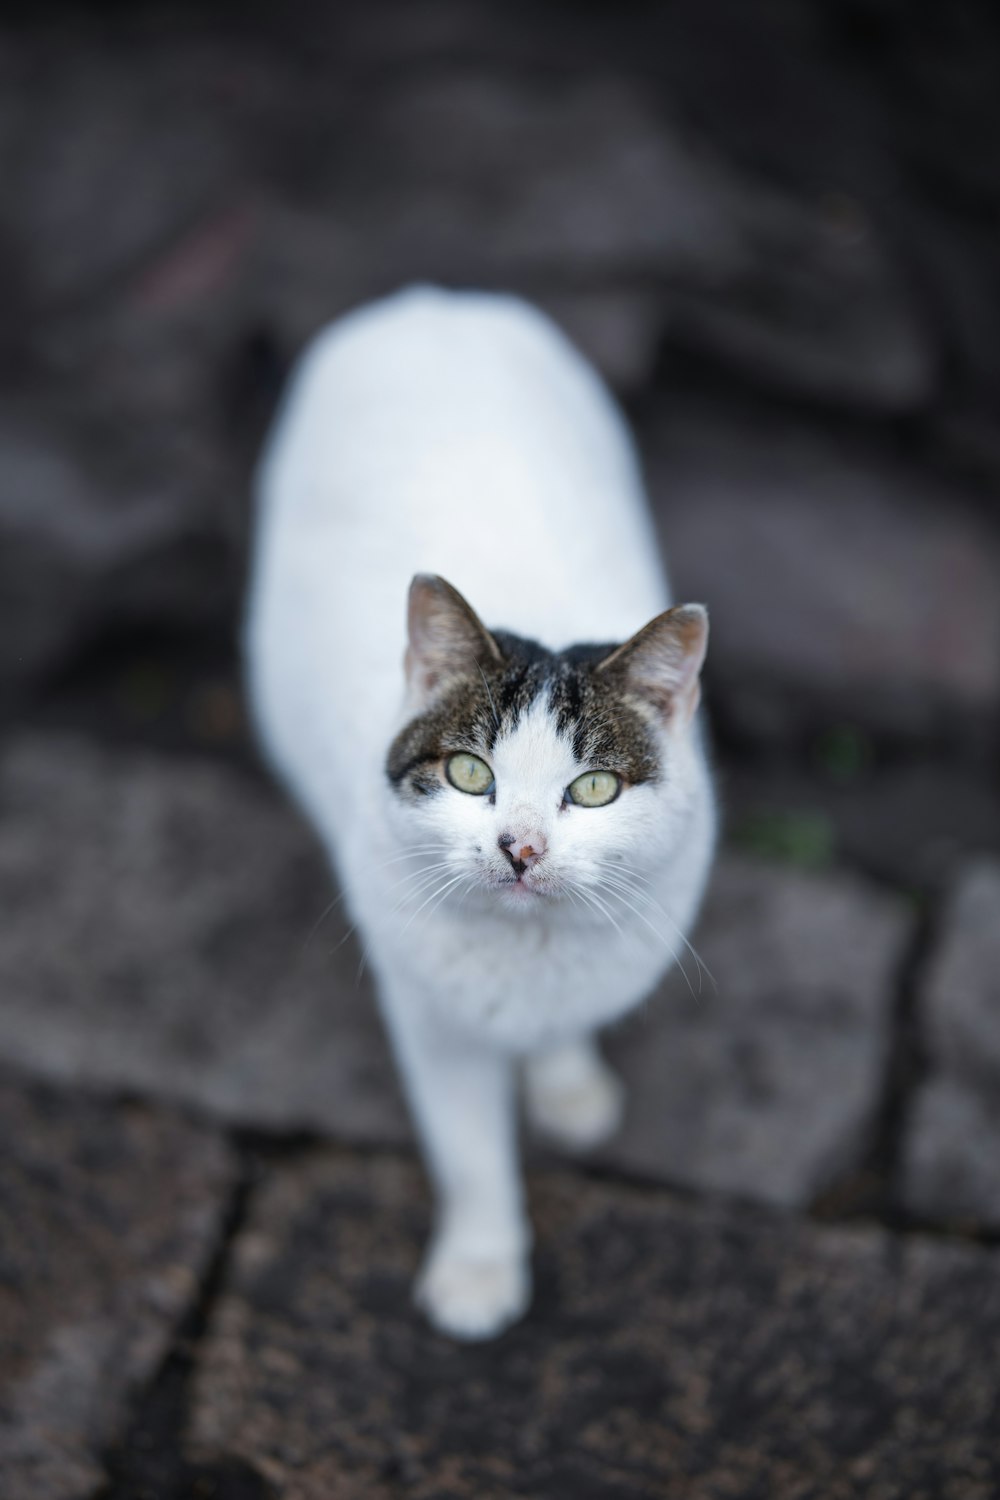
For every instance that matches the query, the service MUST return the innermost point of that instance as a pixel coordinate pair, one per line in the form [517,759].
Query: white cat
[523,830]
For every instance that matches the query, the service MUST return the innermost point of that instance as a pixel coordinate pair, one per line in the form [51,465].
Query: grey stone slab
[951,1156]
[157,938]
[543,185]
[90,542]
[766,1082]
[670,1350]
[101,164]
[124,496]
[161,938]
[109,1218]
[306,267]
[961,997]
[597,175]
[151,243]
[124,224]
[619,330]
[842,583]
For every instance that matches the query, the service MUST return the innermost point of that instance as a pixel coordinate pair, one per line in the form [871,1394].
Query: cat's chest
[524,984]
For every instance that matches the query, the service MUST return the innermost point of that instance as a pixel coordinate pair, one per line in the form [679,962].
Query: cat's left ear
[662,661]
[447,639]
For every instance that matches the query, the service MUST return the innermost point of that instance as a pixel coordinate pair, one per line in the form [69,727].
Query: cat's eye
[594,788]
[467,773]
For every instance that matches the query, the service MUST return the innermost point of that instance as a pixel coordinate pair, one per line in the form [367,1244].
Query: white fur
[461,435]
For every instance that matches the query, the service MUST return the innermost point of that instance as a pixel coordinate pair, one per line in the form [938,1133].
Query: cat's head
[533,776]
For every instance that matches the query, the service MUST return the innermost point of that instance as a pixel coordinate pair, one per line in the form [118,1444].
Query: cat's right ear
[446,637]
[663,660]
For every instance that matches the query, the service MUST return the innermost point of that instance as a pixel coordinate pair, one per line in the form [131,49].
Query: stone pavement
[110,1218]
[157,950]
[185,948]
[774,230]
[749,1355]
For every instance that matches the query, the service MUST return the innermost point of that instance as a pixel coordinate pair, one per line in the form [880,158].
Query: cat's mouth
[521,888]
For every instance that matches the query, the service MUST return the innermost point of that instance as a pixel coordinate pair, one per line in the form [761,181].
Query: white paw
[473,1299]
[577,1114]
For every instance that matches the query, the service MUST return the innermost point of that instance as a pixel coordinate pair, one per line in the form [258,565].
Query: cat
[512,788]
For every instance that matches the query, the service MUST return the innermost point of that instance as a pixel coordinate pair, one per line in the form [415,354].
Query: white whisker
[626,877]
[445,887]
[321,919]
[593,899]
[419,851]
[444,896]
[618,887]
[422,882]
[419,875]
[613,890]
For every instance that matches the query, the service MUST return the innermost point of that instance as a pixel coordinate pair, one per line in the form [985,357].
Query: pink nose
[523,854]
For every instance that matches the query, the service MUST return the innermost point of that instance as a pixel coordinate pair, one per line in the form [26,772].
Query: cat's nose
[522,852]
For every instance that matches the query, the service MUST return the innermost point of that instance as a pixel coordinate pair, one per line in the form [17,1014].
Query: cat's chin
[517,895]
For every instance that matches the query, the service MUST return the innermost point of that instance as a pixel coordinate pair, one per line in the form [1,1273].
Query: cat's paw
[473,1299]
[578,1113]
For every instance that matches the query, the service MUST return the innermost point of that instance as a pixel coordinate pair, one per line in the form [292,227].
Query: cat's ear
[446,637]
[662,661]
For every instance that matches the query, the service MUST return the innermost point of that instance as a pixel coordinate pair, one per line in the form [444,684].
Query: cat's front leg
[475,1279]
[571,1095]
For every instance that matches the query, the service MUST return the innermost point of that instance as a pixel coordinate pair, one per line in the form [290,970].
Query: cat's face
[524,777]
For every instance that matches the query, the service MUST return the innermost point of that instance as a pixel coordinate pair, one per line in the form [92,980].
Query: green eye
[594,788]
[467,773]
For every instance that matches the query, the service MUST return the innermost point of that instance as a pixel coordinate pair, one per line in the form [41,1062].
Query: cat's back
[444,410]
[451,433]
[460,433]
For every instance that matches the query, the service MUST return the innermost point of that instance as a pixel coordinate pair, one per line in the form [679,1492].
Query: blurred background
[775,229]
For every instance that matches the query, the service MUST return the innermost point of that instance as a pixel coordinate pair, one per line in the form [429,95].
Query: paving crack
[871,1191]
[148,1462]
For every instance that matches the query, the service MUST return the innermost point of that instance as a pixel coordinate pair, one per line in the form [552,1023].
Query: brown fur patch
[608,726]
